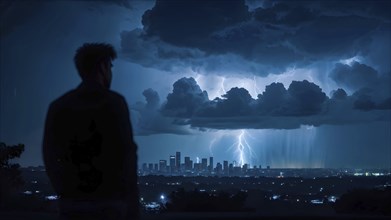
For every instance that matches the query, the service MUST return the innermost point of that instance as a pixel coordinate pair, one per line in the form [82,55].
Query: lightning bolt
[256,88]
[243,149]
[240,148]
[217,89]
[222,89]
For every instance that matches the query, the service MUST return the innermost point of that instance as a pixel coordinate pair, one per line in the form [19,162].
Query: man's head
[93,62]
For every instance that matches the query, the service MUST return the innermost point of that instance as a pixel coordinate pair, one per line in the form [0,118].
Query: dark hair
[88,56]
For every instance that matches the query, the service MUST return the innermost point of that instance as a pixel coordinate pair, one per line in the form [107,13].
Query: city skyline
[209,167]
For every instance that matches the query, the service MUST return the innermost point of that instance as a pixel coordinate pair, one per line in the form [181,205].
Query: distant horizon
[336,168]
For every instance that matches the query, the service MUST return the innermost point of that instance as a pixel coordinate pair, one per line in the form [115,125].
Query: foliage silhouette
[365,201]
[10,174]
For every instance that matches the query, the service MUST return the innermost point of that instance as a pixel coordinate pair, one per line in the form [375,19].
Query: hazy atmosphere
[287,84]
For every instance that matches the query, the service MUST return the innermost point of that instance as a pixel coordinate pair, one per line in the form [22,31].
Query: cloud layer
[265,40]
[303,103]
[340,41]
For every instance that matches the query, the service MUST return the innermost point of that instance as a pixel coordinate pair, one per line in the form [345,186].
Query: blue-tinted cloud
[339,94]
[303,103]
[148,120]
[268,39]
[283,13]
[302,98]
[330,37]
[236,102]
[190,23]
[355,76]
[152,98]
[185,99]
[366,99]
[274,100]
[264,40]
[305,98]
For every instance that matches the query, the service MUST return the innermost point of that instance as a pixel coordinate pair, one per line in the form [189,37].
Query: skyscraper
[187,163]
[230,169]
[244,168]
[204,164]
[210,164]
[219,168]
[225,166]
[172,164]
[178,161]
[162,166]
[197,167]
[145,167]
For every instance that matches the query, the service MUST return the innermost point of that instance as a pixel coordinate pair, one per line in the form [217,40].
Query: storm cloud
[198,19]
[148,120]
[152,98]
[236,102]
[185,98]
[269,39]
[355,76]
[303,103]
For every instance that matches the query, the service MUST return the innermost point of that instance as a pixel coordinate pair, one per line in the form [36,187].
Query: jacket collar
[90,85]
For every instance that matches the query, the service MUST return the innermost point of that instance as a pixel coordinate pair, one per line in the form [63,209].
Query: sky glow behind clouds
[243,44]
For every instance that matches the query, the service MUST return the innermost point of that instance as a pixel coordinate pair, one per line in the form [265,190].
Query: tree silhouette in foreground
[10,174]
[365,201]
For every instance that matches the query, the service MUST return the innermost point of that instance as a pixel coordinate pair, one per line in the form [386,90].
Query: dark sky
[279,83]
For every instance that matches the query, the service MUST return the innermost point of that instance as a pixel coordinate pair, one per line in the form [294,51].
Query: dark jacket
[88,147]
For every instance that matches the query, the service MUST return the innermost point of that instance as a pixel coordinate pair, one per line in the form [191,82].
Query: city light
[317,201]
[153,206]
[51,197]
[27,192]
[332,198]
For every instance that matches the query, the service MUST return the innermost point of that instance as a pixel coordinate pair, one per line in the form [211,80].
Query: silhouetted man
[88,146]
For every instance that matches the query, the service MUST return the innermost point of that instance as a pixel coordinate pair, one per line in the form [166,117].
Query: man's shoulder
[115,96]
[116,100]
[68,99]
[62,99]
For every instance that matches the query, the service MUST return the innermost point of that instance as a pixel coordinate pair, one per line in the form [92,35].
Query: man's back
[88,147]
